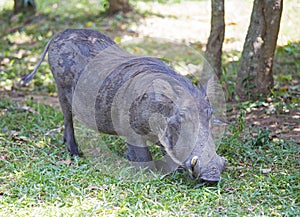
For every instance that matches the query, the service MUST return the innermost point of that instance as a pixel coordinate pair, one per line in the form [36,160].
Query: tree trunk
[255,77]
[21,6]
[116,6]
[214,45]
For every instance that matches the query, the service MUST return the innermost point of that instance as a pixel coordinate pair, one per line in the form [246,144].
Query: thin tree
[255,77]
[214,45]
[22,6]
[116,6]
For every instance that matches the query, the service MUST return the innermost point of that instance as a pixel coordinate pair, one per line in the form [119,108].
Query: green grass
[38,177]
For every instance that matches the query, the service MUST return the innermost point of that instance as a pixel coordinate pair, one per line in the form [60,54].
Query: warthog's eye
[183,113]
[209,113]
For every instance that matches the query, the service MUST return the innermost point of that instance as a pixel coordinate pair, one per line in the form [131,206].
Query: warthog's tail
[27,78]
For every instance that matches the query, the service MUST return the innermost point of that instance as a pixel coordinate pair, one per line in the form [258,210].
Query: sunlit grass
[6,5]
[39,178]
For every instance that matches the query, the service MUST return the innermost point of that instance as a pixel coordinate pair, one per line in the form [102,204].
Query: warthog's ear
[204,90]
[210,87]
[202,87]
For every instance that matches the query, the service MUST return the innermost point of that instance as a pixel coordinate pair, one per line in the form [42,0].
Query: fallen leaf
[231,190]
[3,157]
[40,144]
[27,108]
[20,138]
[20,54]
[296,129]
[242,175]
[91,187]
[89,24]
[16,137]
[264,171]
[54,131]
[67,162]
[5,61]
[232,24]
[235,168]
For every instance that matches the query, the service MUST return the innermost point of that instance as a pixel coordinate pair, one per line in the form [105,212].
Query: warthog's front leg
[138,154]
[137,150]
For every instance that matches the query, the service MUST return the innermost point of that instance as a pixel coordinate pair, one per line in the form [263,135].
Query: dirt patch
[21,96]
[284,124]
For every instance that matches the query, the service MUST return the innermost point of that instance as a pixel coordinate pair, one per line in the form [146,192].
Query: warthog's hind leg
[69,136]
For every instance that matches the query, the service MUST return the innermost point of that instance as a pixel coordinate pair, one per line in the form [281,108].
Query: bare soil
[282,124]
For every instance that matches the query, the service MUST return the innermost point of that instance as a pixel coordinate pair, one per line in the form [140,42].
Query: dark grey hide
[69,54]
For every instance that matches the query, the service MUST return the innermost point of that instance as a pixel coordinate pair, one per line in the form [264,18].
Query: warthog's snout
[210,171]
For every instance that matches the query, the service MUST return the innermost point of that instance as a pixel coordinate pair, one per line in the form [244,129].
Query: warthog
[138,97]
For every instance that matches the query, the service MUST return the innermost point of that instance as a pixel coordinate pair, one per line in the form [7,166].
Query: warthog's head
[190,142]
[203,163]
[180,116]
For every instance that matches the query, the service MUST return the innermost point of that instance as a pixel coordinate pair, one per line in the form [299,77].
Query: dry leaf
[15,137]
[264,171]
[54,131]
[91,187]
[67,162]
[242,175]
[5,61]
[3,157]
[231,190]
[27,108]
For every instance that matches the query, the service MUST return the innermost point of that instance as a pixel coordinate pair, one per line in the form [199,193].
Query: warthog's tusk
[194,161]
